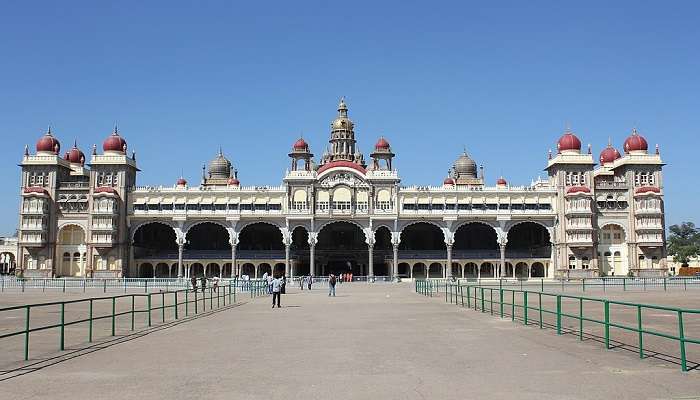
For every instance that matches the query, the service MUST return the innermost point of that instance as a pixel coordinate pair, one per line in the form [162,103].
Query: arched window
[572,262]
[585,263]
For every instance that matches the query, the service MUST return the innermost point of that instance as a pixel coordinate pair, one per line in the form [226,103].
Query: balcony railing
[611,185]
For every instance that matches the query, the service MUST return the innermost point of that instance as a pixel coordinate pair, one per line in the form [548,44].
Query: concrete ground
[372,341]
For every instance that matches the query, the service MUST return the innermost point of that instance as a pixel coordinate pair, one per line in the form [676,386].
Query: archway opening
[155,239]
[341,249]
[435,270]
[521,270]
[419,271]
[299,251]
[162,270]
[404,270]
[71,243]
[248,269]
[146,270]
[196,270]
[383,251]
[423,238]
[528,240]
[260,238]
[208,240]
[537,270]
[475,240]
[486,270]
[471,270]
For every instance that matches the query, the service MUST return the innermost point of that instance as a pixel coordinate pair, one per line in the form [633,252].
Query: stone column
[313,239]
[395,241]
[448,271]
[180,269]
[287,267]
[370,261]
[502,271]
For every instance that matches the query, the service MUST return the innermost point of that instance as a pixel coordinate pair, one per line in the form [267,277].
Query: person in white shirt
[276,286]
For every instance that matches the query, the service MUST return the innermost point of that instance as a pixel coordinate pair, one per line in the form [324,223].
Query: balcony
[611,185]
[74,185]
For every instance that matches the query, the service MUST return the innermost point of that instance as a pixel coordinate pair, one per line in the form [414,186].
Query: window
[274,207]
[503,206]
[246,207]
[193,207]
[341,205]
[261,207]
[411,207]
[585,263]
[464,206]
[436,207]
[220,207]
[572,262]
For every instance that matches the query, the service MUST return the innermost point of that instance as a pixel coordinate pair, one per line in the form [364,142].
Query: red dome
[346,164]
[609,154]
[448,181]
[48,143]
[382,144]
[114,142]
[233,181]
[636,142]
[181,182]
[501,182]
[568,141]
[75,156]
[301,144]
[578,189]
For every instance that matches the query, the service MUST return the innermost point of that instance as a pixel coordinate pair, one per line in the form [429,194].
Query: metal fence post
[482,299]
[162,305]
[104,286]
[500,300]
[64,285]
[63,324]
[90,323]
[583,284]
[512,306]
[114,310]
[187,302]
[540,307]
[558,314]
[606,305]
[175,293]
[639,331]
[580,318]
[145,286]
[542,285]
[133,300]
[681,337]
[195,301]
[26,335]
[525,306]
[624,284]
[149,309]
[469,297]
[664,284]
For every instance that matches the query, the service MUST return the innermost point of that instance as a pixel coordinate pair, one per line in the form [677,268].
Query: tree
[684,242]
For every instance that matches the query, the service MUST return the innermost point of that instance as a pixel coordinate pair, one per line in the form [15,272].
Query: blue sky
[502,79]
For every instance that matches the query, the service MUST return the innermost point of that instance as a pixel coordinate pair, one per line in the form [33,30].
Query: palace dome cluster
[83,216]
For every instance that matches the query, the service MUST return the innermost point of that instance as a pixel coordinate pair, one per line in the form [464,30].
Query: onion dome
[568,142]
[636,142]
[114,143]
[448,181]
[48,143]
[74,155]
[220,167]
[382,144]
[300,145]
[609,154]
[182,182]
[233,181]
[501,182]
[465,166]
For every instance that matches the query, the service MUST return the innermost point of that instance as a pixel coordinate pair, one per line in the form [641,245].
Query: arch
[419,271]
[154,238]
[611,230]
[226,270]
[349,221]
[279,269]
[486,269]
[404,270]
[146,270]
[249,223]
[528,239]
[415,222]
[471,270]
[162,270]
[475,239]
[383,195]
[513,224]
[521,270]
[141,224]
[71,234]
[263,268]
[342,193]
[508,270]
[207,236]
[260,236]
[196,270]
[213,269]
[248,269]
[299,196]
[457,270]
[186,229]
[537,270]
[435,270]
[422,235]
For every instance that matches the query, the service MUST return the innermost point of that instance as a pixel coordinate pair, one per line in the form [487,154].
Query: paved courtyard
[370,342]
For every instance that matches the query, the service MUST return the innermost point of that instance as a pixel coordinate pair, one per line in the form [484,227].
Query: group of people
[203,283]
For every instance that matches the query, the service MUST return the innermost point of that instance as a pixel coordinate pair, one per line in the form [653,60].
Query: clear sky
[501,78]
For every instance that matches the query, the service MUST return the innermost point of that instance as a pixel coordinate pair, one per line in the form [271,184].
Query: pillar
[312,263]
[180,269]
[448,271]
[370,260]
[395,266]
[478,271]
[502,270]
[234,268]
[529,271]
[287,267]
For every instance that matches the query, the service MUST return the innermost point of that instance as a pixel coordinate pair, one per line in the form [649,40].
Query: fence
[153,305]
[588,284]
[520,305]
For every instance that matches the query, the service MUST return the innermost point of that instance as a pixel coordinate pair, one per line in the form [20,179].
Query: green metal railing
[194,302]
[506,302]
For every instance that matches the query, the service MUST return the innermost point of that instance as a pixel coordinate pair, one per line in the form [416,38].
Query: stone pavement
[370,342]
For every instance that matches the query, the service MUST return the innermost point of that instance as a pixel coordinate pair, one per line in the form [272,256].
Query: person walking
[269,283]
[276,291]
[309,281]
[284,285]
[194,283]
[203,282]
[331,285]
[301,282]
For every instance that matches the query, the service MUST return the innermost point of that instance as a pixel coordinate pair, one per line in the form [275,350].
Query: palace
[89,218]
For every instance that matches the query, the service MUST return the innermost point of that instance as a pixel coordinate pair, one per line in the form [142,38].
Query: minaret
[343,137]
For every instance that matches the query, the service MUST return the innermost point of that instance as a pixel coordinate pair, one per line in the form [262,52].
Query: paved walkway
[370,342]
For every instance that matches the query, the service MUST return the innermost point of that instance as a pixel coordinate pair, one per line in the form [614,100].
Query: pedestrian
[331,285]
[301,282]
[269,283]
[215,282]
[194,283]
[284,285]
[203,282]
[276,291]
[309,282]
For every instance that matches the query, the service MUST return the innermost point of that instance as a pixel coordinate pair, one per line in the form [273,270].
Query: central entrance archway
[341,249]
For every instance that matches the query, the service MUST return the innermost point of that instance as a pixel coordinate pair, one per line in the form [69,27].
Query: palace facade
[87,217]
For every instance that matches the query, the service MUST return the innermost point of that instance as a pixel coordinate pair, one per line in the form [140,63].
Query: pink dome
[114,143]
[301,145]
[48,143]
[382,144]
[448,181]
[609,154]
[636,142]
[501,182]
[181,182]
[568,142]
[233,181]
[75,156]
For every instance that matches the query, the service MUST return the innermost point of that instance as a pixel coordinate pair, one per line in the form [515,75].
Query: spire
[590,149]
[116,130]
[342,108]
[75,143]
[48,131]
[26,149]
[609,141]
